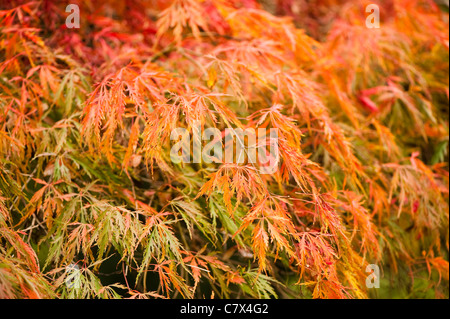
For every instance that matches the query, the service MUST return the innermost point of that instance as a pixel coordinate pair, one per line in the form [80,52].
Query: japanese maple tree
[87,181]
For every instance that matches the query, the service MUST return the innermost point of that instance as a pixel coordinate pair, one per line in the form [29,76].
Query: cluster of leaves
[86,179]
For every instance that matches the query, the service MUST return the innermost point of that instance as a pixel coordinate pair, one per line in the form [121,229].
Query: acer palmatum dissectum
[86,178]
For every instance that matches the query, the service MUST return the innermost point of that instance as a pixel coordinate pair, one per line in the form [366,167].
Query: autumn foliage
[86,178]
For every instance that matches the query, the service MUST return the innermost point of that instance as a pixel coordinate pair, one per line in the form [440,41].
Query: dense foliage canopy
[86,179]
